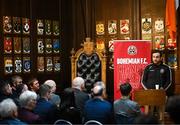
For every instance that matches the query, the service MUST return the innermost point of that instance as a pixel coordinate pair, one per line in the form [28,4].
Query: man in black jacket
[156,73]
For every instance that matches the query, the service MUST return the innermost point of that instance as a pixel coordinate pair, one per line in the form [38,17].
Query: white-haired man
[9,113]
[80,96]
[54,98]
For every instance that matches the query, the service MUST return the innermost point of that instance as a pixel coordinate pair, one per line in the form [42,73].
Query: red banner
[130,59]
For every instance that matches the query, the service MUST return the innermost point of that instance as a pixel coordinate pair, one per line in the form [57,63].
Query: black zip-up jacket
[156,74]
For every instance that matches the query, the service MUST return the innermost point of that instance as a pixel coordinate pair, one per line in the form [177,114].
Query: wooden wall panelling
[113,10]
[33,9]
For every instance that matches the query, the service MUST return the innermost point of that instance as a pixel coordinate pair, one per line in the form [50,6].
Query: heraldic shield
[88,63]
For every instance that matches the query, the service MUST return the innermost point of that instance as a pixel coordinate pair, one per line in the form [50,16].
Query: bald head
[98,90]
[78,83]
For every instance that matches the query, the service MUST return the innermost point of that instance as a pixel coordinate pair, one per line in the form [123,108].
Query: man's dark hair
[125,89]
[173,108]
[30,82]
[3,84]
[157,51]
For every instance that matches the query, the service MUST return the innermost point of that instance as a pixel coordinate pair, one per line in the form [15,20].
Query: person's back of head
[78,83]
[44,91]
[26,98]
[125,89]
[8,109]
[52,84]
[21,88]
[101,83]
[173,108]
[98,90]
[146,119]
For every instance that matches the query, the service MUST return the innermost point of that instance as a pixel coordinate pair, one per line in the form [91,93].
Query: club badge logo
[132,50]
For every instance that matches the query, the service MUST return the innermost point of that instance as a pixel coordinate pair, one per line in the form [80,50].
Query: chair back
[62,122]
[89,63]
[92,122]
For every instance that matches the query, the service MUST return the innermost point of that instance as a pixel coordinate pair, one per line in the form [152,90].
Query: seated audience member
[21,88]
[97,108]
[80,96]
[15,81]
[5,90]
[27,102]
[68,109]
[44,108]
[54,98]
[9,113]
[173,108]
[101,83]
[125,110]
[33,84]
[146,119]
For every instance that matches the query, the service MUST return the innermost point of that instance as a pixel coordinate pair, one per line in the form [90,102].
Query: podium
[150,99]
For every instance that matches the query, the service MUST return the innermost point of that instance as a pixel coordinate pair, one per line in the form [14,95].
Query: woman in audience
[27,102]
[9,113]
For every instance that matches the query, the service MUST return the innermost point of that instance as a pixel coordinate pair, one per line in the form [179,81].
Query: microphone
[161,73]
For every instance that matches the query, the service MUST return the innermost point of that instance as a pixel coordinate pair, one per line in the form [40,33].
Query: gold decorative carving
[88,49]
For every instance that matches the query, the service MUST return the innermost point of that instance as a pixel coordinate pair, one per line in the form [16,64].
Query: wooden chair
[89,63]
[150,99]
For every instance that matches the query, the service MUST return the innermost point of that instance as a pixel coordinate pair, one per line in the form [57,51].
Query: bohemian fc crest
[132,50]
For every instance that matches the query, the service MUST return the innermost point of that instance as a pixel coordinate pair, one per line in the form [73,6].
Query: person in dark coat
[80,96]
[157,73]
[68,109]
[44,108]
[97,108]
